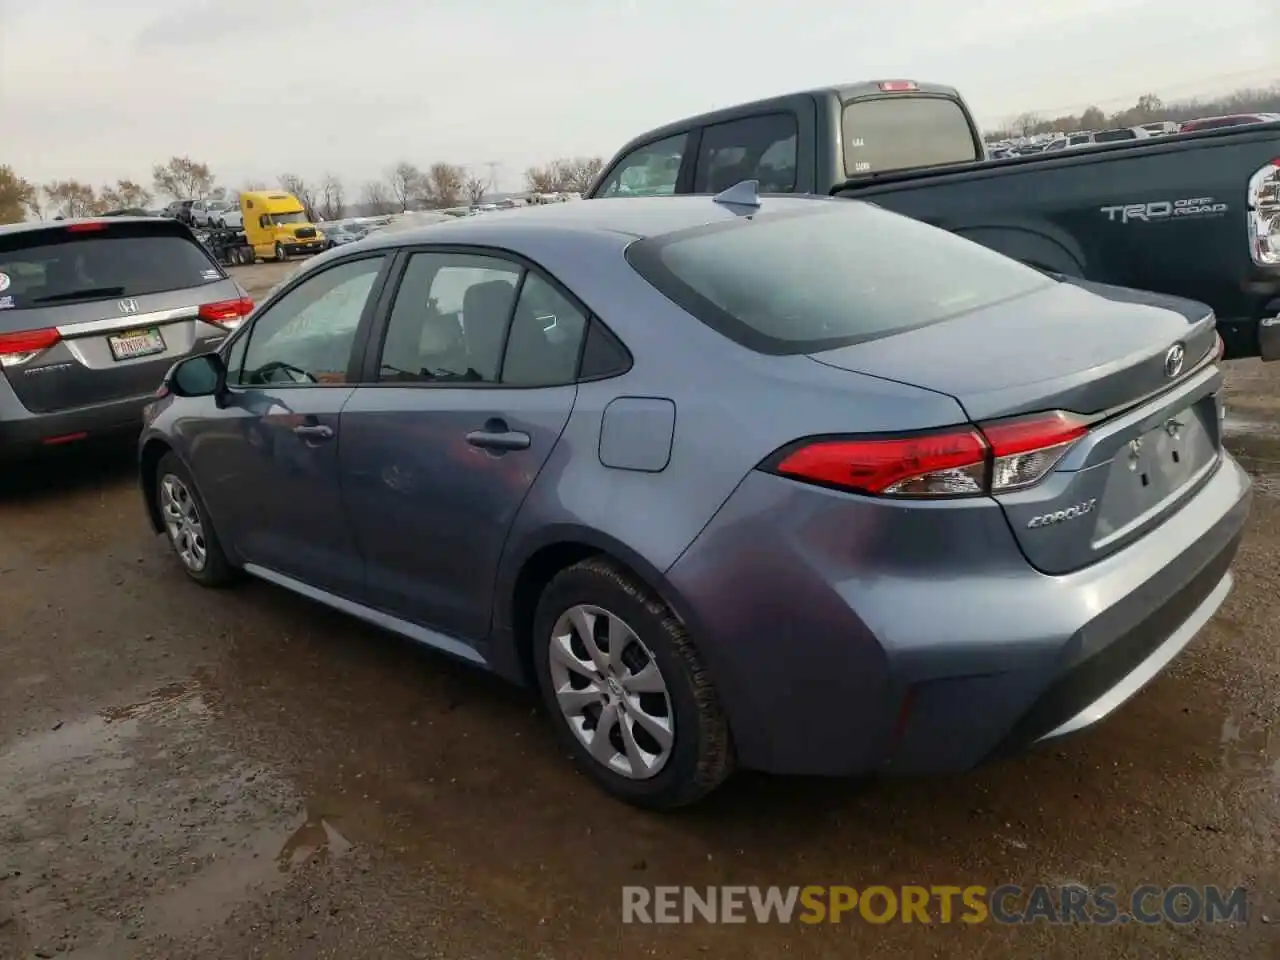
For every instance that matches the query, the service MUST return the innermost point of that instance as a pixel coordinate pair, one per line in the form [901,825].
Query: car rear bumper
[841,644]
[24,434]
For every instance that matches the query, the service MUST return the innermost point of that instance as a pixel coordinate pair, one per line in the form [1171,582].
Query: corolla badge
[1173,360]
[1061,516]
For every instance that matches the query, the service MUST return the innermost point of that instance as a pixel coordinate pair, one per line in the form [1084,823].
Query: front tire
[627,692]
[187,525]
[281,256]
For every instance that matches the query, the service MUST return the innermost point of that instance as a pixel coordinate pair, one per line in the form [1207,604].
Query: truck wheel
[281,256]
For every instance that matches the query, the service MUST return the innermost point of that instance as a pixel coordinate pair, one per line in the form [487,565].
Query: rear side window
[897,133]
[47,267]
[825,277]
[755,148]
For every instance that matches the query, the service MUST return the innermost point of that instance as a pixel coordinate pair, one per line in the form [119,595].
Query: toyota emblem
[127,306]
[1173,361]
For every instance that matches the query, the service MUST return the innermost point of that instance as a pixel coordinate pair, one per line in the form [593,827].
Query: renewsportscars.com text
[1005,904]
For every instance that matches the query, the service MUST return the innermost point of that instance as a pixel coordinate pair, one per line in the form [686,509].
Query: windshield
[827,276]
[47,267]
[280,218]
[897,133]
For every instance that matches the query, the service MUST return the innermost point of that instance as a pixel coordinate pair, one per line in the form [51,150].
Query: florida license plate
[132,344]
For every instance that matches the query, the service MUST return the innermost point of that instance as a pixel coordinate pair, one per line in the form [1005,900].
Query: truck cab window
[647,171]
[755,148]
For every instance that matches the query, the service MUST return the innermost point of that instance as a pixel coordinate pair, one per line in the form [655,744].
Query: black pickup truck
[1196,215]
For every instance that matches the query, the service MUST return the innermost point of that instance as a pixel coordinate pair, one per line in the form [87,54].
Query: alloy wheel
[611,692]
[183,522]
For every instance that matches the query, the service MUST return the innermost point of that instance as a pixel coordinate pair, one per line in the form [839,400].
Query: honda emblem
[128,306]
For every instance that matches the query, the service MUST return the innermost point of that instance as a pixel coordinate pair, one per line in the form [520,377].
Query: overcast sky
[99,90]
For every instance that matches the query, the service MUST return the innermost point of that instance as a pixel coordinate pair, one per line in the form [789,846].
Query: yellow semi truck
[274,226]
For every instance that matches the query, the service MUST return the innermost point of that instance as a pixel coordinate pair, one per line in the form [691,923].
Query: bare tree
[182,178]
[124,195]
[71,198]
[332,198]
[406,182]
[540,179]
[444,184]
[576,174]
[376,200]
[18,197]
[475,188]
[306,194]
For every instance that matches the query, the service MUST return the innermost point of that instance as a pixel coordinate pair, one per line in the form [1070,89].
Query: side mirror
[199,376]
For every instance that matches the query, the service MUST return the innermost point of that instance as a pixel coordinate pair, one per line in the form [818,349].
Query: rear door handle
[496,436]
[314,432]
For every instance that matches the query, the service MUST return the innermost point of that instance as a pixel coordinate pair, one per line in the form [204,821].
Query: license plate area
[132,344]
[1169,454]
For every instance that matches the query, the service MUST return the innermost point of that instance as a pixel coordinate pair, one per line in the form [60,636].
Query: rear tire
[667,743]
[187,525]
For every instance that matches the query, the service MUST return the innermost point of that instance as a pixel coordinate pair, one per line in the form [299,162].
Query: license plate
[132,344]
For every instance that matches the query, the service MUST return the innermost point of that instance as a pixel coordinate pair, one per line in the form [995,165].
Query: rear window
[1110,136]
[825,277]
[897,133]
[47,267]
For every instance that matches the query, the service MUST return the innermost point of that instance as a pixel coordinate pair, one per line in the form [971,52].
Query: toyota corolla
[791,484]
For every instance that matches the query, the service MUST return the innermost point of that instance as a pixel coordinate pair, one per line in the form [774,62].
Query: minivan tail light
[227,313]
[898,86]
[90,227]
[995,457]
[19,347]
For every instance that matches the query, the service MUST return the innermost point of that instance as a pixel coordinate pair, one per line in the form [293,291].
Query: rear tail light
[1263,201]
[996,457]
[85,227]
[227,313]
[898,86]
[1221,350]
[17,348]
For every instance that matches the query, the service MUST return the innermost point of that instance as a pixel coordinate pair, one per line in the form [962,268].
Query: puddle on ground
[140,806]
[1250,748]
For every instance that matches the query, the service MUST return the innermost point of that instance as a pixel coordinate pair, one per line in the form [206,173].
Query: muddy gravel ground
[188,773]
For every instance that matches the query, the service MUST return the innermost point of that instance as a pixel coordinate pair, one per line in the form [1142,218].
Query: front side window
[307,335]
[826,277]
[755,148]
[651,170]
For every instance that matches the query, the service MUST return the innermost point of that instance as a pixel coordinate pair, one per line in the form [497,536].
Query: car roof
[9,229]
[630,217]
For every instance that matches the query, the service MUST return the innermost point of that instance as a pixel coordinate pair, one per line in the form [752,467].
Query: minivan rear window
[826,276]
[43,268]
[1113,136]
[898,133]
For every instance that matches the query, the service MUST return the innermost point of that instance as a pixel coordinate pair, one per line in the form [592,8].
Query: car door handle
[498,439]
[314,432]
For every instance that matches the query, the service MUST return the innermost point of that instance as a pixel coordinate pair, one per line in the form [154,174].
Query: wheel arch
[149,457]
[527,572]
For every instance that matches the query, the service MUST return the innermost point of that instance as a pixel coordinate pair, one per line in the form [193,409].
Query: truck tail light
[228,314]
[995,457]
[1263,202]
[19,347]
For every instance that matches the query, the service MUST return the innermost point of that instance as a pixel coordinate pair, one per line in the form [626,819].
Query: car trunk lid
[1138,368]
